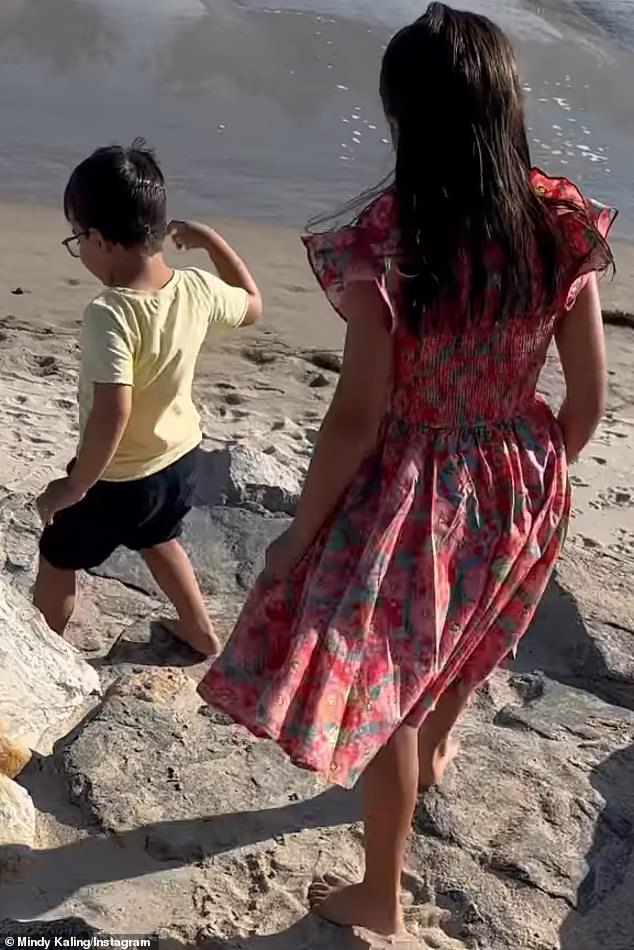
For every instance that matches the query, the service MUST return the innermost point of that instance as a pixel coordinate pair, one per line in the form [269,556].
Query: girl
[437,499]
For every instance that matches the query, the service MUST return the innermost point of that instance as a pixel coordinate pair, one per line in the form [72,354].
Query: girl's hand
[283,555]
[190,235]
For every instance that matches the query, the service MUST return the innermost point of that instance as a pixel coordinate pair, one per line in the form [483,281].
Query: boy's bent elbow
[255,309]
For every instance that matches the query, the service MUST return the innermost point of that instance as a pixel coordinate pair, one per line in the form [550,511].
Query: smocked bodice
[486,376]
[488,372]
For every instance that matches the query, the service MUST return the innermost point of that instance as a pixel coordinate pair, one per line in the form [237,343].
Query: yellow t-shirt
[151,341]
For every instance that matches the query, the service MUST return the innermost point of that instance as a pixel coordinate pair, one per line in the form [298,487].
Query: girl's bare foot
[434,762]
[204,642]
[352,905]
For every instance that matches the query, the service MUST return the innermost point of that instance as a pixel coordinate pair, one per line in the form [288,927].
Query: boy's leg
[54,595]
[173,572]
[390,788]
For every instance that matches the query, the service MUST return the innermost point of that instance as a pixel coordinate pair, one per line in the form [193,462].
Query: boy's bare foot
[352,905]
[434,762]
[206,643]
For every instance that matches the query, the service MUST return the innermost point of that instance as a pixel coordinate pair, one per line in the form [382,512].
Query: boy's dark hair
[120,192]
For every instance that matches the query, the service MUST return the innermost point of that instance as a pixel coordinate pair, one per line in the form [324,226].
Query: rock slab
[17,814]
[44,682]
[243,476]
[153,758]
[13,757]
[226,547]
[17,827]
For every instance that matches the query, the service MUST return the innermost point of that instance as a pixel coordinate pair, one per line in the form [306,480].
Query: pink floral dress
[431,569]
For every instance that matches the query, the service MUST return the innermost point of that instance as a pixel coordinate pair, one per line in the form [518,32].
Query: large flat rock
[533,829]
[152,757]
[17,814]
[45,685]
[17,827]
[583,634]
[226,547]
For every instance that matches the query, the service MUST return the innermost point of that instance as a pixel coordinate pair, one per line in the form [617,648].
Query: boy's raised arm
[190,235]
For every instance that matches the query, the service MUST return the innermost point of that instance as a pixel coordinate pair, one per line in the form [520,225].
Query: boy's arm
[190,235]
[108,366]
[112,405]
[104,430]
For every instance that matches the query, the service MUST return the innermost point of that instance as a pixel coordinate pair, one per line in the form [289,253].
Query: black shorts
[135,515]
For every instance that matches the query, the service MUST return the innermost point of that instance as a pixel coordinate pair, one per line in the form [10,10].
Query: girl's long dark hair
[451,91]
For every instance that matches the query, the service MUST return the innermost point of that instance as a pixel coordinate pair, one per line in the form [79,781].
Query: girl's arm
[350,428]
[581,344]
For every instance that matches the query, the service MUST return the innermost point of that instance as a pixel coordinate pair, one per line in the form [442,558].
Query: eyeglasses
[72,243]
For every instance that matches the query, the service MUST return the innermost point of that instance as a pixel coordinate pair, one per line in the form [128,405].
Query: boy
[133,479]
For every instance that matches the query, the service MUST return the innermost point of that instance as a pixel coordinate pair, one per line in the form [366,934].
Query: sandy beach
[149,815]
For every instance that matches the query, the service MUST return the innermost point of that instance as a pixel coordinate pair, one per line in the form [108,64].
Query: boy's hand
[190,235]
[59,495]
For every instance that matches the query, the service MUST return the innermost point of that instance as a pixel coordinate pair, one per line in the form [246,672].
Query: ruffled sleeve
[585,252]
[358,253]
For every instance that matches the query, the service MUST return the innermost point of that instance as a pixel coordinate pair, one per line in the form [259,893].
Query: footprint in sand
[319,381]
[616,498]
[623,497]
[591,543]
[599,461]
[325,359]
[259,357]
[43,365]
[234,399]
[266,388]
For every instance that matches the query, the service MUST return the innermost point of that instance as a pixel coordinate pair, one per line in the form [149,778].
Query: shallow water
[271,110]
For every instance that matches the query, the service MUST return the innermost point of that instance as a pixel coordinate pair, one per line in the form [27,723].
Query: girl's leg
[436,746]
[390,788]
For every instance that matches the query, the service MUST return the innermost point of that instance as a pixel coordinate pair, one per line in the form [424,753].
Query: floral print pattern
[431,569]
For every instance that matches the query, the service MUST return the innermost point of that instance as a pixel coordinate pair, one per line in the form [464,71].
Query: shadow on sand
[55,875]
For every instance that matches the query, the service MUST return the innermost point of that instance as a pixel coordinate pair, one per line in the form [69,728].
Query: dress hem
[206,692]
